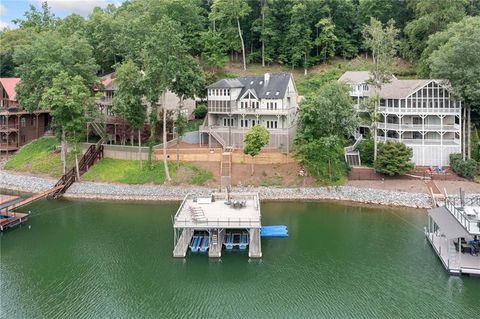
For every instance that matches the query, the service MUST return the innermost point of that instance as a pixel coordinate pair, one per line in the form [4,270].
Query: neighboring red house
[18,126]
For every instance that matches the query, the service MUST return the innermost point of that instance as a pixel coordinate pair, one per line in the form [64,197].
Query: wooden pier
[10,218]
[215,215]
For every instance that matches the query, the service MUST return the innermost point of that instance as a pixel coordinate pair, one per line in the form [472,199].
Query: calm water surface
[114,260]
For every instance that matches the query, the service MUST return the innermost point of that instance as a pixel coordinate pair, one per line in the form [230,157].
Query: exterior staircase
[93,153]
[219,138]
[352,155]
[226,170]
[100,129]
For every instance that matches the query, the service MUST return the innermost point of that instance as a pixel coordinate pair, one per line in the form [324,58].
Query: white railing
[428,110]
[446,142]
[418,127]
[218,222]
[455,206]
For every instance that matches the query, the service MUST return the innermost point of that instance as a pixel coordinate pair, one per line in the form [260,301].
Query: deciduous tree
[255,139]
[382,43]
[128,98]
[68,99]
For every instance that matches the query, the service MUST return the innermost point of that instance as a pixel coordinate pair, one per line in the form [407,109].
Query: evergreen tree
[394,159]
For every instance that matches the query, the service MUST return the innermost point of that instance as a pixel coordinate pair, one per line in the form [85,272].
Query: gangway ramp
[180,250]
[255,246]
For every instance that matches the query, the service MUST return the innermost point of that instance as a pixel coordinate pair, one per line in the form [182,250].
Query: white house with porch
[419,113]
[236,105]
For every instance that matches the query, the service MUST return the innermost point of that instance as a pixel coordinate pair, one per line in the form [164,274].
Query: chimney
[266,78]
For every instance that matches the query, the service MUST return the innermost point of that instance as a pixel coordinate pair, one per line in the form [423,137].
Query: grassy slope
[129,172]
[38,157]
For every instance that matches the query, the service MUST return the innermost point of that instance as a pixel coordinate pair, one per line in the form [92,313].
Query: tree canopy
[327,112]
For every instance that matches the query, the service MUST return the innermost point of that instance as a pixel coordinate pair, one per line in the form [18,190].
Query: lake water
[78,259]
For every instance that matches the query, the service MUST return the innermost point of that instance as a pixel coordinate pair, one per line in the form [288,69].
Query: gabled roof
[9,85]
[399,89]
[354,77]
[273,88]
[395,89]
[226,84]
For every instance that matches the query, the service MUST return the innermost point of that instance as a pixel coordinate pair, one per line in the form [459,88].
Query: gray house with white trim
[236,105]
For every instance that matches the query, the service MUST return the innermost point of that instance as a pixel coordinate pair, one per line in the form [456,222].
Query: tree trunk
[253,163]
[375,142]
[305,64]
[243,44]
[140,148]
[77,169]
[464,126]
[263,39]
[64,151]
[469,147]
[165,164]
[151,139]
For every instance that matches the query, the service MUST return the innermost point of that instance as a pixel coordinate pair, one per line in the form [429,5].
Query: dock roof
[202,213]
[447,223]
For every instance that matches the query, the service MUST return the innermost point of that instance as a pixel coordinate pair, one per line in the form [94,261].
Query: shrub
[323,159]
[393,158]
[366,149]
[464,168]
[200,111]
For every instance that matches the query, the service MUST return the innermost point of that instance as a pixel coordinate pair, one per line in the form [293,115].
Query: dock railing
[219,222]
[455,206]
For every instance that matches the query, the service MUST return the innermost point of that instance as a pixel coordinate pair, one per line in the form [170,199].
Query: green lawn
[38,157]
[129,172]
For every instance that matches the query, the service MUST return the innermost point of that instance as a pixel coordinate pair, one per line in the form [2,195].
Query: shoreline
[160,193]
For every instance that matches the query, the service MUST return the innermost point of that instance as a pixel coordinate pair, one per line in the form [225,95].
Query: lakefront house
[18,126]
[419,113]
[118,131]
[236,105]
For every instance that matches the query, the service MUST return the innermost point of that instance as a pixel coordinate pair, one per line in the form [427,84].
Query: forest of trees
[297,33]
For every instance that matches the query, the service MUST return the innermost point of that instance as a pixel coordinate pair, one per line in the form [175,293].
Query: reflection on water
[99,259]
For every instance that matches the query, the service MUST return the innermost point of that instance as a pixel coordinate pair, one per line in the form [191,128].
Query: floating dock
[454,233]
[220,220]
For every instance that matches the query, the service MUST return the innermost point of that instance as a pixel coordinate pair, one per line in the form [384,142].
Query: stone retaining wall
[105,191]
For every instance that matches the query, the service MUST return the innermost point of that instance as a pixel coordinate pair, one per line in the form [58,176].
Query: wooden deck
[16,204]
[12,220]
[8,200]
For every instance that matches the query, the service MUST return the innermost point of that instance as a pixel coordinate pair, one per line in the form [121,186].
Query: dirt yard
[275,175]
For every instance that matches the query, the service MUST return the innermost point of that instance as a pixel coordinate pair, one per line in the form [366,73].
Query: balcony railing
[427,110]
[456,207]
[418,127]
[8,127]
[104,100]
[8,146]
[446,142]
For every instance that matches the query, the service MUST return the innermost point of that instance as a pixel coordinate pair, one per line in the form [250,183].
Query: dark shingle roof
[226,84]
[274,88]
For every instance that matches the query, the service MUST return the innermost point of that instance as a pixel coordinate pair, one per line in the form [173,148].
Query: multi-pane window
[272,124]
[227,122]
[23,122]
[243,123]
